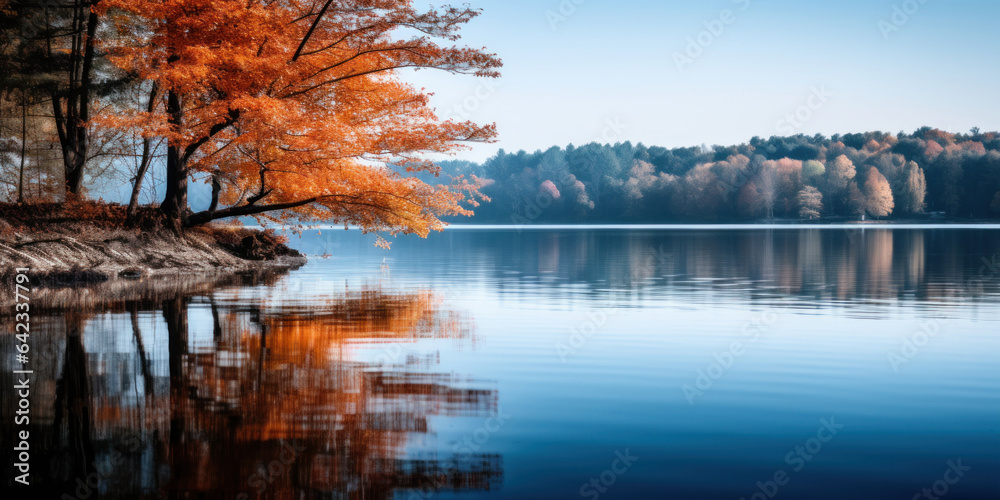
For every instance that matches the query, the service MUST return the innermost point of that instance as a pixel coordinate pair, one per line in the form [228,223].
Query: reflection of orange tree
[285,378]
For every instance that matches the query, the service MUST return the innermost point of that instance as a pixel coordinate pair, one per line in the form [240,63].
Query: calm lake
[790,362]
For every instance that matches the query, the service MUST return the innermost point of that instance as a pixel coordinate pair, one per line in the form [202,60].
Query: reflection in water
[156,398]
[323,384]
[819,266]
[73,401]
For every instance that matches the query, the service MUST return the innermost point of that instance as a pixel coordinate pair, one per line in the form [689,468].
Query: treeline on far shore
[873,174]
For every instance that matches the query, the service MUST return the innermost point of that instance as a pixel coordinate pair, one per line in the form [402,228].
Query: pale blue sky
[567,78]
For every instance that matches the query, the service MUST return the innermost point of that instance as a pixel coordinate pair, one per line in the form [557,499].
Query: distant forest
[873,174]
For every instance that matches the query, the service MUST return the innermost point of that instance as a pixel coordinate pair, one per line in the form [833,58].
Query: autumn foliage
[780,178]
[294,108]
[878,194]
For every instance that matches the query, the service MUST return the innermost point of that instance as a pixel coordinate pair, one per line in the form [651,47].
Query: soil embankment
[63,251]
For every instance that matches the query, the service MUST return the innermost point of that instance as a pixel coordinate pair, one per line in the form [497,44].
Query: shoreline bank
[72,254]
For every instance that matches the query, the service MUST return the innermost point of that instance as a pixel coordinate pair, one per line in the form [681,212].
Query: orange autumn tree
[295,108]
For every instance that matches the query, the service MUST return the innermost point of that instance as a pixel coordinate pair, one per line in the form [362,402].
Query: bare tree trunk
[71,123]
[147,155]
[133,201]
[216,189]
[24,149]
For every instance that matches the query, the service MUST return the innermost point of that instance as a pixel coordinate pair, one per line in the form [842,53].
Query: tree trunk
[72,123]
[133,201]
[175,204]
[147,156]
[216,189]
[24,149]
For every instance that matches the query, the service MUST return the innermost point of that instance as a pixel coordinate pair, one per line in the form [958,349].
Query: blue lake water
[644,362]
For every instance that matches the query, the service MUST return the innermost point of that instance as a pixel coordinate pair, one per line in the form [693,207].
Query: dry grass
[45,217]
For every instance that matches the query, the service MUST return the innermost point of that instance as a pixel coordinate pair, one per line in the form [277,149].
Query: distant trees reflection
[811,265]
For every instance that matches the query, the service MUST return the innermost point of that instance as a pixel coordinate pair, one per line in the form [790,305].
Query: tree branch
[312,28]
[234,114]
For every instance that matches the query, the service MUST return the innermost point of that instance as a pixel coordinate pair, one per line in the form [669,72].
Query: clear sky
[577,71]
